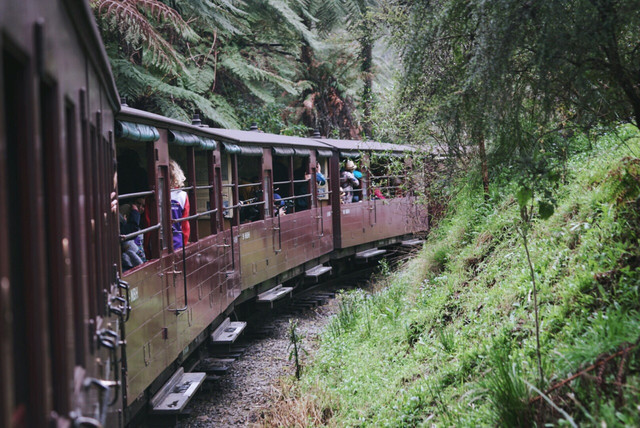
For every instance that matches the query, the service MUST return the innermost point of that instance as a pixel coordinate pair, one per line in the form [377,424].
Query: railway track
[242,377]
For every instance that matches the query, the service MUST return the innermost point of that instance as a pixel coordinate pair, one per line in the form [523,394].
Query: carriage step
[176,393]
[412,242]
[327,295]
[215,365]
[274,294]
[228,331]
[315,272]
[368,254]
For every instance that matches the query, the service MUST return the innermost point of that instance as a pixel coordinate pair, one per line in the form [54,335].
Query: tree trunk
[366,52]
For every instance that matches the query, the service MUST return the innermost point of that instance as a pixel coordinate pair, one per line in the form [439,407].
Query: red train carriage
[382,209]
[61,353]
[176,293]
[289,228]
[255,219]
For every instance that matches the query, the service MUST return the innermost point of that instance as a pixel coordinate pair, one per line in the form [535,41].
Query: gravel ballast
[244,391]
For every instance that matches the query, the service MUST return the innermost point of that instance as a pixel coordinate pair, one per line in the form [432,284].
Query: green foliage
[506,390]
[295,344]
[216,57]
[493,73]
[454,346]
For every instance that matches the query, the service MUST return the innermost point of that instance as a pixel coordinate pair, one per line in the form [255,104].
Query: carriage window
[353,183]
[323,178]
[292,181]
[139,225]
[387,178]
[205,192]
[182,201]
[250,190]
[282,186]
[227,188]
[301,184]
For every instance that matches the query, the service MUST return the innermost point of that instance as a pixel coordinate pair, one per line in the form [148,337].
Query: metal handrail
[136,195]
[388,176]
[250,204]
[191,217]
[249,185]
[139,232]
[184,277]
[205,187]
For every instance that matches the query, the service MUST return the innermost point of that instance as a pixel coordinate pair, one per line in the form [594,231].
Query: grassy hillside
[449,339]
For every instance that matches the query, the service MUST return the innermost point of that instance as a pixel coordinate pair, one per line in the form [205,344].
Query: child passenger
[179,206]
[132,249]
[348,182]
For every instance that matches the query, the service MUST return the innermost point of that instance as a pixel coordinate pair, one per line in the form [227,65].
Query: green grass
[449,338]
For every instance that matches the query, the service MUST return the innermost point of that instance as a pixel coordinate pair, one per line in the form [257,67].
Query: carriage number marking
[134,294]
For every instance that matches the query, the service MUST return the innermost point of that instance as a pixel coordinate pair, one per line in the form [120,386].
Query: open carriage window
[353,183]
[250,189]
[135,194]
[323,176]
[191,179]
[205,193]
[242,184]
[292,185]
[387,176]
[302,180]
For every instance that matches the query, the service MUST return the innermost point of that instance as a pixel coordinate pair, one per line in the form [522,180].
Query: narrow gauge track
[242,376]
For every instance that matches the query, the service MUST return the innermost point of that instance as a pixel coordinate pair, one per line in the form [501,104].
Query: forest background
[487,82]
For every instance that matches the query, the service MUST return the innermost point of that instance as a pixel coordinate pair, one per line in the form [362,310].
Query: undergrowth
[448,339]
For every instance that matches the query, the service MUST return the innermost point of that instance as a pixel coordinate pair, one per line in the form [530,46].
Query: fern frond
[135,83]
[247,72]
[130,22]
[260,92]
[224,16]
[293,20]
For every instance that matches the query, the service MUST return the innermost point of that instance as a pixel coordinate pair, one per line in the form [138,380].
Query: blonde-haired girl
[179,206]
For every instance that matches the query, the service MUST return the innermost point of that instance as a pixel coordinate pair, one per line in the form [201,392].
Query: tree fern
[129,19]
[154,95]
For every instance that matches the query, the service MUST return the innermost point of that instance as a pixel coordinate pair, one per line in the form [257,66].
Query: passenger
[377,194]
[357,189]
[302,188]
[320,181]
[347,182]
[179,206]
[132,249]
[280,207]
[249,195]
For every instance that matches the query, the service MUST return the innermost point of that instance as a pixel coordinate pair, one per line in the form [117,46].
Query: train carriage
[255,219]
[383,209]
[61,354]
[292,227]
[176,293]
